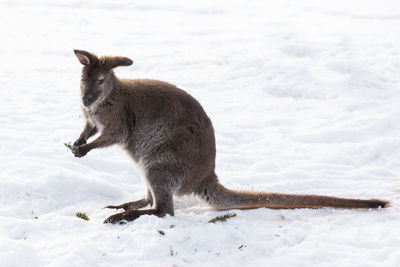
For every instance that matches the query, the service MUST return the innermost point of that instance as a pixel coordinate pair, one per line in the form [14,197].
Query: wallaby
[171,138]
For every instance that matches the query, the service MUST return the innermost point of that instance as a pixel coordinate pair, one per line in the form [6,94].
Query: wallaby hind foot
[130,215]
[134,205]
[163,206]
[160,197]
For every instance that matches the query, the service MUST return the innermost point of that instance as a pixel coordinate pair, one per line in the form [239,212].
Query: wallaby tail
[222,198]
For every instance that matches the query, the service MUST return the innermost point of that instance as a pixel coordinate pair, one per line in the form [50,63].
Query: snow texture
[304,97]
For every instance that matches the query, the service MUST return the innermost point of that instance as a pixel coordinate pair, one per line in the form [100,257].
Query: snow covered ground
[304,97]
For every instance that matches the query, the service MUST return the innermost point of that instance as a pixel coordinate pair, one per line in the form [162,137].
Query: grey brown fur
[170,137]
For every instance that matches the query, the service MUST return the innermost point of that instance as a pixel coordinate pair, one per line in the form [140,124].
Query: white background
[304,97]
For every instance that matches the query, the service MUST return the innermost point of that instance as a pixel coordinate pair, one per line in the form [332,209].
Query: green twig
[82,215]
[161,232]
[71,147]
[222,218]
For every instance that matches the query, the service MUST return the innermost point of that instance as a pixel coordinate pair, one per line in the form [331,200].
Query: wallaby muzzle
[87,100]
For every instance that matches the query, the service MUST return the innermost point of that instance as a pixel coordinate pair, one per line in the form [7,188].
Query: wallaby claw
[112,207]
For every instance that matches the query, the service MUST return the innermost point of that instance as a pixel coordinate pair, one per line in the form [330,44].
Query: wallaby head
[98,79]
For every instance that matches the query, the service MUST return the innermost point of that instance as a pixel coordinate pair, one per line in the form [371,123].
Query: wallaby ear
[112,62]
[85,58]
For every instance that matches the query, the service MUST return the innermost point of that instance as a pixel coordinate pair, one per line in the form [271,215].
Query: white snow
[304,97]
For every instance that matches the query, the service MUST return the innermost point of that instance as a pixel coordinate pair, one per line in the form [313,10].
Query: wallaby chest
[95,121]
[101,118]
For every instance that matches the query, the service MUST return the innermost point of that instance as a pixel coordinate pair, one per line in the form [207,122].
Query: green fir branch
[82,215]
[161,232]
[71,147]
[222,218]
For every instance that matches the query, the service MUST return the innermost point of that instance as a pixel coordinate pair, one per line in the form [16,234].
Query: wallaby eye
[101,81]
[82,80]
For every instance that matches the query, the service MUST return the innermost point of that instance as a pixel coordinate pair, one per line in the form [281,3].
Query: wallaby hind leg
[164,205]
[134,205]
[162,197]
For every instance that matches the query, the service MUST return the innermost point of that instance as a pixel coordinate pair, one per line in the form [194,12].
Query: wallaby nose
[86,99]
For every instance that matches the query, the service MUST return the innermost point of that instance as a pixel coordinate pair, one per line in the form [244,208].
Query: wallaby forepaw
[81,151]
[79,142]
